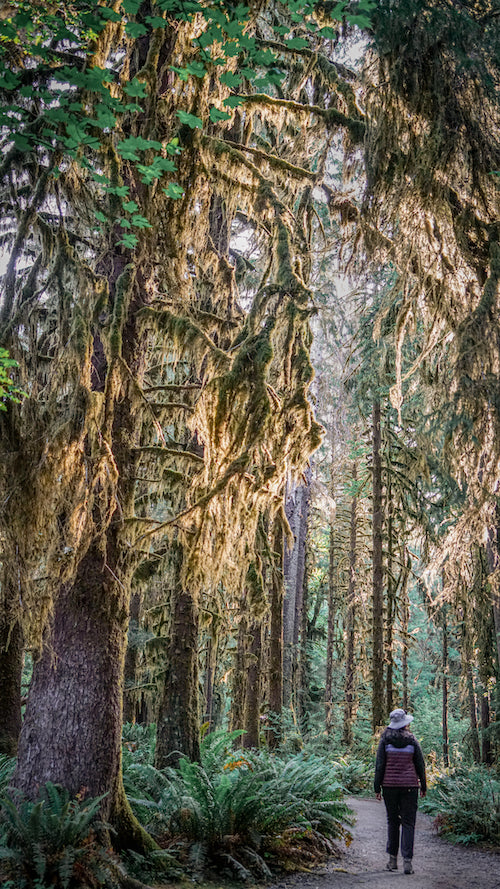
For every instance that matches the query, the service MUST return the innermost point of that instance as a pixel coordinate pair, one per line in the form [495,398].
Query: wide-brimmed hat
[400,718]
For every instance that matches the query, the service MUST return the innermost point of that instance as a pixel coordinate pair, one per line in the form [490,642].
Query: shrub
[354,775]
[465,804]
[230,810]
[7,766]
[53,842]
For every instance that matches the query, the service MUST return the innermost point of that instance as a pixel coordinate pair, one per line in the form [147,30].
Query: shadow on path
[438,864]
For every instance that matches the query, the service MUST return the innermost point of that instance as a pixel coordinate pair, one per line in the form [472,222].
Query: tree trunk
[378,577]
[330,632]
[276,640]
[405,620]
[72,729]
[239,683]
[471,694]
[178,730]
[446,757]
[391,606]
[297,508]
[486,751]
[251,724]
[350,621]
[303,671]
[131,701]
[209,682]
[11,665]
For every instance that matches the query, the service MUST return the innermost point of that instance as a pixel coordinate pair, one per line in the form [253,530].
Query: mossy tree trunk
[178,724]
[275,692]
[251,723]
[350,630]
[11,664]
[332,607]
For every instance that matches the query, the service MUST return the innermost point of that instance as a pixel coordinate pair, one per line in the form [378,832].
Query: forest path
[438,864]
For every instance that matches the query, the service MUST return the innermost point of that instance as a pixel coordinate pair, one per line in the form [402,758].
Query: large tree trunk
[486,751]
[304,665]
[71,733]
[178,730]
[378,577]
[11,664]
[350,622]
[405,620]
[276,639]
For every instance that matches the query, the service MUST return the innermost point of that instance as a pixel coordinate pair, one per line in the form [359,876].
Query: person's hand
[422,793]
[378,796]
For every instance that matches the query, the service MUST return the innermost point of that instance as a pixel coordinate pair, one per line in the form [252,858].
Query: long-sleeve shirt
[400,761]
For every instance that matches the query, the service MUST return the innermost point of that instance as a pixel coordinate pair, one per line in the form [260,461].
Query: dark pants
[401,804]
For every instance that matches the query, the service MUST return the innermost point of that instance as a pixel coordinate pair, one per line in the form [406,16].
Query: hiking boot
[392,864]
[407,866]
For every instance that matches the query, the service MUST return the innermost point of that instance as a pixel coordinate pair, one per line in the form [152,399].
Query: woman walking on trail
[399,768]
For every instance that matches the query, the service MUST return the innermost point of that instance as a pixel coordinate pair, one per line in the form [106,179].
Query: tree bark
[391,606]
[131,704]
[446,757]
[405,620]
[350,620]
[178,730]
[11,665]
[378,576]
[296,508]
[72,729]
[486,751]
[276,639]
[303,671]
[251,723]
[330,632]
[239,684]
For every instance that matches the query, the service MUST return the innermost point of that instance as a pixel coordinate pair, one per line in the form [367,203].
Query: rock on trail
[437,863]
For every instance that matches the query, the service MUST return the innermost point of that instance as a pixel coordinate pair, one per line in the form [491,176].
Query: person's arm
[418,759]
[379,767]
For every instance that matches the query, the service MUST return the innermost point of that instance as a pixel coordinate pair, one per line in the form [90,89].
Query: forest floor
[438,864]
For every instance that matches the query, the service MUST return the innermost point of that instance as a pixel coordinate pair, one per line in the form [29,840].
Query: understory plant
[241,811]
[465,805]
[54,842]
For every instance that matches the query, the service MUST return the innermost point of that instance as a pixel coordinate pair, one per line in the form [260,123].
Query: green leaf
[190,120]
[131,7]
[297,43]
[129,241]
[216,115]
[135,89]
[328,33]
[230,79]
[128,148]
[135,29]
[130,206]
[100,216]
[233,101]
[124,223]
[139,221]
[156,21]
[173,191]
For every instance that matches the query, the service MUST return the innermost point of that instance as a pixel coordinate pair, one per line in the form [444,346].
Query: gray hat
[400,718]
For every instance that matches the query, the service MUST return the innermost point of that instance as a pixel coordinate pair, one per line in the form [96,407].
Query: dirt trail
[438,864]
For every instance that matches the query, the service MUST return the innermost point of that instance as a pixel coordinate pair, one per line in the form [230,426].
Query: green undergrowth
[465,805]
[241,813]
[54,842]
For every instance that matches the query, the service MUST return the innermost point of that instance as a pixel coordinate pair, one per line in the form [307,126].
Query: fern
[465,804]
[53,842]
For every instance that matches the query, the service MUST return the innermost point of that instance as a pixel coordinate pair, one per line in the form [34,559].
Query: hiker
[399,768]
